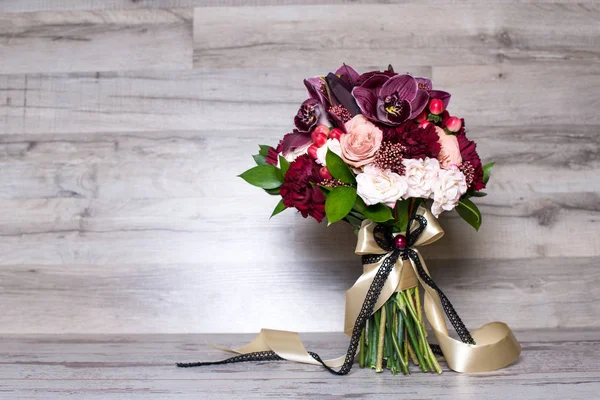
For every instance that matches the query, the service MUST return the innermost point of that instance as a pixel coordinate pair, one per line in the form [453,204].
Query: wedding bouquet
[381,151]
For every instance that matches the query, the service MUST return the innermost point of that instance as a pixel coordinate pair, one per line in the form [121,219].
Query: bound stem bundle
[395,335]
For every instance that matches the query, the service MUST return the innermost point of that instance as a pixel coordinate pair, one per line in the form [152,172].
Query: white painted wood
[119,200]
[68,5]
[95,41]
[553,365]
[447,34]
[240,99]
[248,293]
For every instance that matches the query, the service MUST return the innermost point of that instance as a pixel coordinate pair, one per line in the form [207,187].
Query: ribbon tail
[496,346]
[285,344]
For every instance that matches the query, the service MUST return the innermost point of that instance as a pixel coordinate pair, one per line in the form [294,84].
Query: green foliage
[259,159]
[278,208]
[402,216]
[469,212]
[263,176]
[338,168]
[340,201]
[284,164]
[376,213]
[487,171]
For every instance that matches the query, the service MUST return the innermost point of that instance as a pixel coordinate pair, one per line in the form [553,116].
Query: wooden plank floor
[123,227]
[555,364]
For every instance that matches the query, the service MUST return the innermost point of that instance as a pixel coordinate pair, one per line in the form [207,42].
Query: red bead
[453,124]
[324,173]
[319,135]
[312,151]
[422,117]
[400,241]
[436,106]
[425,124]
[335,133]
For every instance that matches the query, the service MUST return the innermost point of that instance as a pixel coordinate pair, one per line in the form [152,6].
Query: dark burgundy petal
[294,140]
[366,100]
[316,90]
[419,103]
[424,84]
[405,86]
[375,82]
[440,94]
[342,94]
[348,74]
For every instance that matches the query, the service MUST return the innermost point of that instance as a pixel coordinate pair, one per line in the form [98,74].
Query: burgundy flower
[468,152]
[309,115]
[391,100]
[418,142]
[295,140]
[272,157]
[299,191]
[363,77]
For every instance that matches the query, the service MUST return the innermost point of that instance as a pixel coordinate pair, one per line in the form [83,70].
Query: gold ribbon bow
[496,345]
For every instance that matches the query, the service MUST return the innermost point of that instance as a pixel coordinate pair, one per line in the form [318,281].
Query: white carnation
[380,186]
[421,176]
[331,144]
[448,189]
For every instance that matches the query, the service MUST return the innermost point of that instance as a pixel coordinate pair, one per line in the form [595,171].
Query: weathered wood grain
[95,41]
[236,99]
[13,6]
[70,195]
[553,365]
[250,293]
[455,34]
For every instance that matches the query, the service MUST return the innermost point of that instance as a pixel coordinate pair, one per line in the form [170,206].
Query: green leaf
[264,149]
[339,203]
[284,165]
[487,171]
[434,118]
[273,192]
[477,194]
[376,213]
[338,168]
[469,212]
[259,159]
[402,216]
[263,176]
[278,208]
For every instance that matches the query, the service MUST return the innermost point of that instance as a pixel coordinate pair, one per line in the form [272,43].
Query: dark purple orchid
[392,100]
[310,114]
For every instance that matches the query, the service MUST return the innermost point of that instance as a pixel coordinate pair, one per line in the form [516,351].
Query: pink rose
[450,151]
[361,142]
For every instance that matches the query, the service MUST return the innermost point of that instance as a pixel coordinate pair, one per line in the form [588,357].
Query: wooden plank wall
[123,126]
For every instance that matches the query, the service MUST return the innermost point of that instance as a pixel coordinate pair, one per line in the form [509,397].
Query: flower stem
[379,363]
[404,305]
[361,351]
[373,331]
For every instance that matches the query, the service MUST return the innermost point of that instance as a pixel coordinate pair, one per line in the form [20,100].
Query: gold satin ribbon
[496,345]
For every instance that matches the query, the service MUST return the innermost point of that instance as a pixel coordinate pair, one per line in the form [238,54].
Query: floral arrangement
[371,146]
[381,151]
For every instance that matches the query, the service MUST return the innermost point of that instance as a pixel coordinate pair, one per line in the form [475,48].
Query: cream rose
[331,144]
[421,176]
[361,142]
[450,151]
[448,189]
[380,186]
